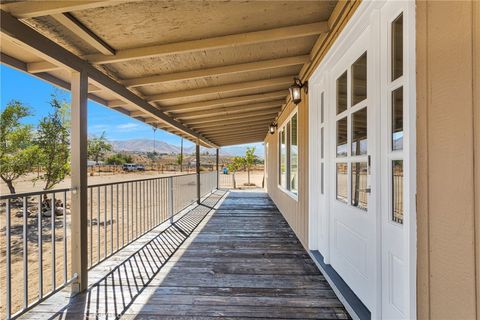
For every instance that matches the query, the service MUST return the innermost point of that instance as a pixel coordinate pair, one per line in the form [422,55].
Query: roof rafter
[232,40]
[72,24]
[216,71]
[228,110]
[243,126]
[32,9]
[249,114]
[239,141]
[225,102]
[233,87]
[232,123]
[238,134]
[40,45]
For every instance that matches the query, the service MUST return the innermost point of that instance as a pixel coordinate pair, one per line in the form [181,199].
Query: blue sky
[37,93]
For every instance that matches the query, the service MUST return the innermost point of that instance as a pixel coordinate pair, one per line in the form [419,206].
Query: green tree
[53,141]
[233,166]
[179,159]
[98,147]
[18,154]
[119,159]
[249,160]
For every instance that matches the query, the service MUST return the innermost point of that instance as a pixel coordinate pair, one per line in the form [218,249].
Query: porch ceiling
[214,71]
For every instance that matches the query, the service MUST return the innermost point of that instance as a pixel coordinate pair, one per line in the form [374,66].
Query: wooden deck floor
[239,261]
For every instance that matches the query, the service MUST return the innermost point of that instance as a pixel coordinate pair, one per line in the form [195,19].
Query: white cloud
[126,126]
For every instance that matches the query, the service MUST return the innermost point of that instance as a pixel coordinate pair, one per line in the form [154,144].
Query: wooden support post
[218,174]
[197,165]
[79,90]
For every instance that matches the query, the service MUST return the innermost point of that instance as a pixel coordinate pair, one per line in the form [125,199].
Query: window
[359,80]
[342,182]
[288,154]
[293,155]
[397,48]
[283,158]
[351,168]
[342,93]
[397,191]
[359,185]
[359,132]
[396,120]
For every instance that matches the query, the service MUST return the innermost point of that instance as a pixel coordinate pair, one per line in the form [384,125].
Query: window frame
[286,125]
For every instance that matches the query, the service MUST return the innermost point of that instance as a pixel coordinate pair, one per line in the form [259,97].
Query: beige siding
[295,212]
[448,153]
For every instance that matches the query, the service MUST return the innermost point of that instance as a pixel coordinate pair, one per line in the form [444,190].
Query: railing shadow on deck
[116,291]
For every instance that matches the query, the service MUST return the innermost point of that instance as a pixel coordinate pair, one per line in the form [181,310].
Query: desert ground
[111,225]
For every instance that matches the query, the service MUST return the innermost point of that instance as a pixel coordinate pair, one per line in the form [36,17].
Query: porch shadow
[111,294]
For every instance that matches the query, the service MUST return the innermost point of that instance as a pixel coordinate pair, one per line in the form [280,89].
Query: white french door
[397,148]
[363,157]
[353,200]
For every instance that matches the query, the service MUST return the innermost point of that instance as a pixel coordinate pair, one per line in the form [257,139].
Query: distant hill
[146,145]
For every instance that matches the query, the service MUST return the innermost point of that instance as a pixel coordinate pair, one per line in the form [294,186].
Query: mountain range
[146,145]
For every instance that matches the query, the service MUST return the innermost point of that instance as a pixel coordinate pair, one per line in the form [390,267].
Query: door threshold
[350,300]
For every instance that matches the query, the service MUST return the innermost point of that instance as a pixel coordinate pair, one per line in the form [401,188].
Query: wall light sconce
[272,128]
[296,90]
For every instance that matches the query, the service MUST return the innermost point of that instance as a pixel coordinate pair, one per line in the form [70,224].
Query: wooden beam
[240,137]
[32,9]
[81,31]
[237,134]
[225,102]
[211,43]
[47,49]
[217,71]
[233,87]
[258,137]
[240,141]
[21,66]
[228,110]
[253,115]
[243,126]
[231,123]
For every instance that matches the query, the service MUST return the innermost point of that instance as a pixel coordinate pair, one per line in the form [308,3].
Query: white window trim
[291,194]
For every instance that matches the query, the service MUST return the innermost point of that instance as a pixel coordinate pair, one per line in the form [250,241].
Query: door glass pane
[342,93]
[397,119]
[397,47]
[359,185]
[359,132]
[342,137]
[283,159]
[397,191]
[293,155]
[342,182]
[359,80]
[321,143]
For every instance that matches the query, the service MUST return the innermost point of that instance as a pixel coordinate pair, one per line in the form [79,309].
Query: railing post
[216,166]
[170,198]
[79,242]
[197,166]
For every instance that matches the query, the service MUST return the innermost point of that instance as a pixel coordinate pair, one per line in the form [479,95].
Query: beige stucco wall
[448,159]
[295,212]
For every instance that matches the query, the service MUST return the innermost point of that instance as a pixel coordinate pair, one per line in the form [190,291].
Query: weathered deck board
[240,261]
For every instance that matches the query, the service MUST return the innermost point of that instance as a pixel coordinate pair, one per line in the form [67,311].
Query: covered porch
[232,256]
[215,73]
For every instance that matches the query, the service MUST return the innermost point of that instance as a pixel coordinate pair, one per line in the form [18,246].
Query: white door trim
[359,21]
